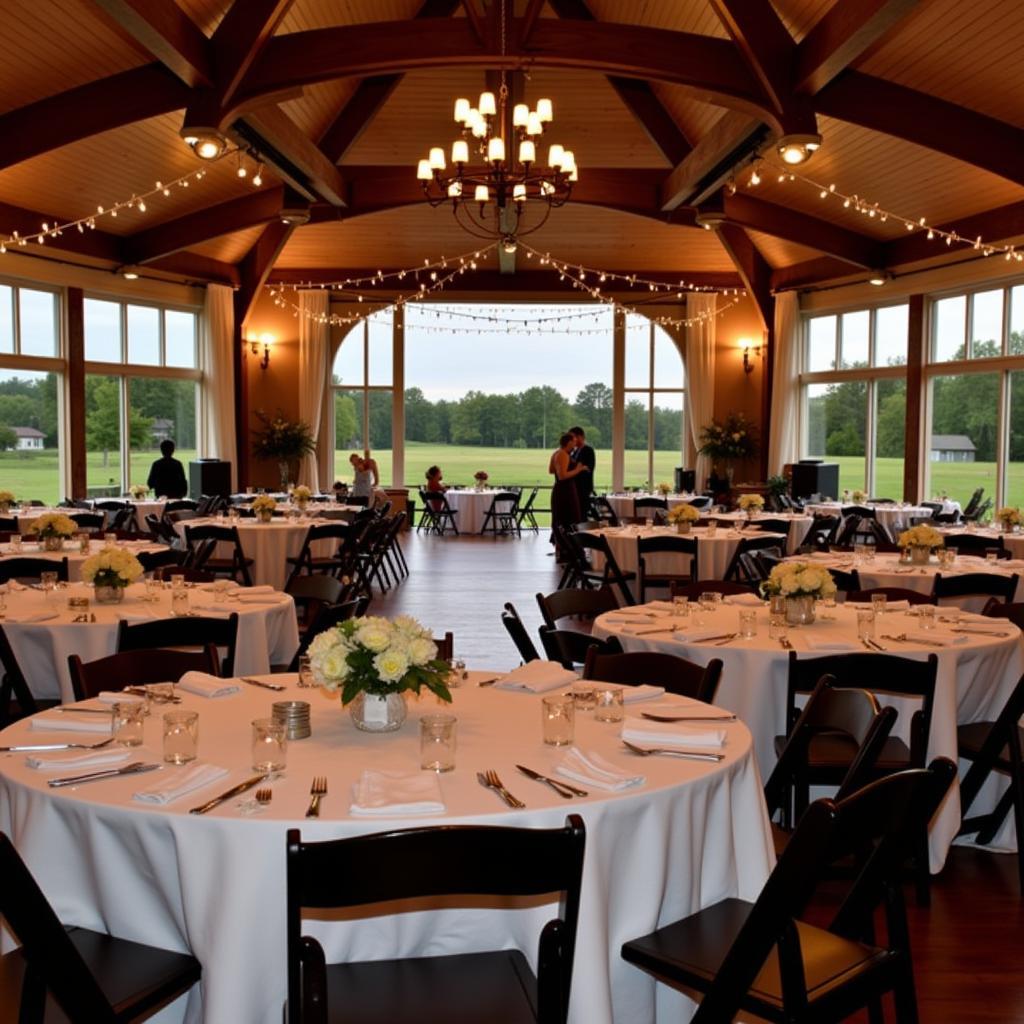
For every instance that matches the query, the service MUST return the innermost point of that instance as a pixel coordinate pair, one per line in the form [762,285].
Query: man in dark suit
[167,475]
[583,455]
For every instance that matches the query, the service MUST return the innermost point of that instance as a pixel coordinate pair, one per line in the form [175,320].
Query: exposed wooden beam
[256,266]
[710,162]
[240,38]
[194,267]
[843,35]
[781,222]
[99,106]
[168,33]
[937,124]
[533,9]
[475,19]
[752,268]
[362,106]
[809,272]
[202,225]
[96,244]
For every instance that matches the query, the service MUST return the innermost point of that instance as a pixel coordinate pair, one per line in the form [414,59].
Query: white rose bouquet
[751,502]
[664,489]
[799,579]
[858,497]
[921,537]
[377,656]
[683,514]
[301,493]
[53,524]
[112,567]
[138,491]
[264,503]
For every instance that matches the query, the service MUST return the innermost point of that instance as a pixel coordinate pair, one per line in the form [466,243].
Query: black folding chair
[975,584]
[600,508]
[517,631]
[742,570]
[580,604]
[31,569]
[137,668]
[437,515]
[679,547]
[502,515]
[13,684]
[642,505]
[525,517]
[569,646]
[202,543]
[89,521]
[677,675]
[973,544]
[305,562]
[189,632]
[609,574]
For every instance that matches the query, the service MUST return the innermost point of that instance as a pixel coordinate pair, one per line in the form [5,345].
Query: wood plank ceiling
[876,78]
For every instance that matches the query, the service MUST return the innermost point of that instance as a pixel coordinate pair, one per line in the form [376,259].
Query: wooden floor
[968,946]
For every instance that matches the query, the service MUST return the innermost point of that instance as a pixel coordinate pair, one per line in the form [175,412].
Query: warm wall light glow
[266,340]
[748,348]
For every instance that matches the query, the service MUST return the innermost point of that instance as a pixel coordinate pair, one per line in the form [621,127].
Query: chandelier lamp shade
[497,186]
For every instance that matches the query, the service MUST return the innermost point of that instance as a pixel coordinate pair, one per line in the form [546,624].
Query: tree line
[533,418]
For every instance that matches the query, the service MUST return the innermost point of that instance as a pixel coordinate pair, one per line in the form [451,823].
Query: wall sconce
[748,346]
[266,340]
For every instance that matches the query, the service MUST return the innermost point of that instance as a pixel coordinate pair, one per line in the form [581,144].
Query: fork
[264,796]
[316,790]
[693,755]
[490,779]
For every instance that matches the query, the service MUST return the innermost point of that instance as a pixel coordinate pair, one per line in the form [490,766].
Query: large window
[31,376]
[855,396]
[142,374]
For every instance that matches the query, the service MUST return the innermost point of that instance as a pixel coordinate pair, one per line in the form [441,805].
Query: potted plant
[778,488]
[110,572]
[481,479]
[263,505]
[683,517]
[800,584]
[285,441]
[52,529]
[751,504]
[727,441]
[373,662]
[920,541]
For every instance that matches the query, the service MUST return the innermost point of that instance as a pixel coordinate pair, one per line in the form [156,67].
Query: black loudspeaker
[686,480]
[815,478]
[209,476]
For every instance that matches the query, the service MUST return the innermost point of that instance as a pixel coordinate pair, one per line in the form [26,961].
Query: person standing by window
[167,474]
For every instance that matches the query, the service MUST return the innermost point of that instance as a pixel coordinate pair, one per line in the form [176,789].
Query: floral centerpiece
[858,497]
[481,479]
[1009,517]
[138,491]
[284,440]
[664,489]
[920,540]
[110,572]
[53,528]
[263,505]
[731,439]
[683,517]
[800,584]
[750,503]
[7,499]
[301,496]
[373,661]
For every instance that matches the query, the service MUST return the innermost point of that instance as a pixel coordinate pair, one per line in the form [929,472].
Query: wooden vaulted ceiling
[920,104]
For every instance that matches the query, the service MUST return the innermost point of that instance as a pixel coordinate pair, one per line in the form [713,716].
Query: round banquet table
[799,525]
[693,834]
[893,517]
[73,553]
[622,504]
[143,507]
[267,630]
[976,675]
[886,570]
[472,506]
[713,553]
[1013,542]
[267,544]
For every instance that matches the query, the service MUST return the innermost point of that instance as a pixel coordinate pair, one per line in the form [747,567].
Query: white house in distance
[952,448]
[29,439]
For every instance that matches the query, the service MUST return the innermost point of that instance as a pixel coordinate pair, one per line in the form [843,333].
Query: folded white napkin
[32,616]
[67,723]
[211,611]
[643,730]
[632,694]
[634,618]
[177,783]
[119,697]
[55,762]
[695,634]
[262,588]
[204,685]
[930,638]
[537,677]
[221,585]
[1012,563]
[139,615]
[983,624]
[590,769]
[825,644]
[247,598]
[890,606]
[656,606]
[688,707]
[389,793]
[745,600]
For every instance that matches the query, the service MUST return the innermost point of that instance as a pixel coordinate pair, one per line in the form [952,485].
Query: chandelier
[508,193]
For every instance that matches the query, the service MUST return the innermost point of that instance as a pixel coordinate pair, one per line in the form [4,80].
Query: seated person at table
[434,480]
[167,475]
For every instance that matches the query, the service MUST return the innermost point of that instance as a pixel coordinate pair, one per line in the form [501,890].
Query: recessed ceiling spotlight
[796,149]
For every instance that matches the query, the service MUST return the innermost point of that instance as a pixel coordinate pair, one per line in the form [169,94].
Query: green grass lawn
[957,479]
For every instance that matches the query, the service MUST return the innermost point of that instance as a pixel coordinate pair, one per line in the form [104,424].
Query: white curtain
[783,438]
[218,389]
[700,377]
[314,344]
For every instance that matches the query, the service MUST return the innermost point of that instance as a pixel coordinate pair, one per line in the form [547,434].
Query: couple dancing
[572,466]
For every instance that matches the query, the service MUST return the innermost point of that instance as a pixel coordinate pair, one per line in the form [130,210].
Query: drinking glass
[712,527]
[179,601]
[84,543]
[437,742]
[584,696]
[926,616]
[48,580]
[558,716]
[992,557]
[778,628]
[181,736]
[269,745]
[153,589]
[127,722]
[748,622]
[681,606]
[610,704]
[306,671]
[865,624]
[109,540]
[16,544]
[878,603]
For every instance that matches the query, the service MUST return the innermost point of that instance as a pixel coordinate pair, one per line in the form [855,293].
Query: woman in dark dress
[565,502]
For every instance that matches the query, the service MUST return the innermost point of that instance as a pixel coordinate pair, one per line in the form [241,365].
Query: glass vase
[53,543]
[920,554]
[109,595]
[800,610]
[376,712]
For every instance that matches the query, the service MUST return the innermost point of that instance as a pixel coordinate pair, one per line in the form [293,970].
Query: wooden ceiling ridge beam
[842,36]
[95,242]
[194,267]
[168,33]
[199,226]
[752,268]
[241,37]
[936,124]
[255,268]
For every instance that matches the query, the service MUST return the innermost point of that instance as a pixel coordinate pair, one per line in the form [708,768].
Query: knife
[259,682]
[70,709]
[135,768]
[687,718]
[142,691]
[46,746]
[253,780]
[561,788]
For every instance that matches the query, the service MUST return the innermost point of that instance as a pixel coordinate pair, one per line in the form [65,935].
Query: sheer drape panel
[784,437]
[218,387]
[700,376]
[314,332]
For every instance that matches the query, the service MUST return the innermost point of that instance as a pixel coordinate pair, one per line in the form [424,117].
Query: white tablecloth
[267,633]
[472,506]
[975,678]
[1013,542]
[143,507]
[622,504]
[713,553]
[268,544]
[893,517]
[215,884]
[73,553]
[799,526]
